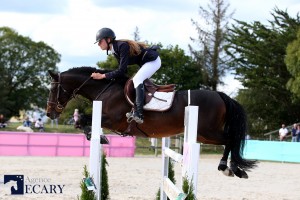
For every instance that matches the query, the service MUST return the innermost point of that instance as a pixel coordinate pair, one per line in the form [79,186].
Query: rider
[129,52]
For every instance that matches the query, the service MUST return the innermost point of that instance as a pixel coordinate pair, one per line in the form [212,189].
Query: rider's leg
[139,103]
[146,71]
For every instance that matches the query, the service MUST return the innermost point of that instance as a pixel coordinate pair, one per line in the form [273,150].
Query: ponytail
[135,47]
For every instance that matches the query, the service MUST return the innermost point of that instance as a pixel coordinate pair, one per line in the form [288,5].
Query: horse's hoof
[241,174]
[238,171]
[88,136]
[103,139]
[222,167]
[245,175]
[226,170]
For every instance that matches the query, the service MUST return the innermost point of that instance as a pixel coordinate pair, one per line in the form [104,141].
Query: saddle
[151,90]
[157,98]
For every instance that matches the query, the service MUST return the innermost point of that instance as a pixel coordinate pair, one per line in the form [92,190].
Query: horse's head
[66,85]
[58,96]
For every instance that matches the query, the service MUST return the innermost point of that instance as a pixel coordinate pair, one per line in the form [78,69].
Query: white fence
[189,160]
[96,147]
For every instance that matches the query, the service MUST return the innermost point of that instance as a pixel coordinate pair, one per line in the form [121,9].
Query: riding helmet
[105,33]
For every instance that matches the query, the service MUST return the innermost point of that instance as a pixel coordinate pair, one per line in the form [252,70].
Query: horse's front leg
[223,162]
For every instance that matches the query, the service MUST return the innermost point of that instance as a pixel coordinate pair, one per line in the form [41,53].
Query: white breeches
[146,71]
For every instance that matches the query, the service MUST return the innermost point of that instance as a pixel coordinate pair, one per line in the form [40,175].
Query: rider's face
[102,44]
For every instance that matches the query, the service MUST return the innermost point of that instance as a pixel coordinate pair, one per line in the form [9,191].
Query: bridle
[57,105]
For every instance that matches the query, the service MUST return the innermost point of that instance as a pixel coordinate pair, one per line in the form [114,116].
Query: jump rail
[189,160]
[96,148]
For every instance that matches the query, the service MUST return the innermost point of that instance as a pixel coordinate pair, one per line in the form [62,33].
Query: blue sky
[70,26]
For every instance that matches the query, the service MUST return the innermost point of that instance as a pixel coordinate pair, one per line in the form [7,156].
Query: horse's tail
[236,130]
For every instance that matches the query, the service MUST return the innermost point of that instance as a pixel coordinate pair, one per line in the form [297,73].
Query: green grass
[143,147]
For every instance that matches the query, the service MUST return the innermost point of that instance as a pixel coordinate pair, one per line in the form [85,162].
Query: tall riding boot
[139,103]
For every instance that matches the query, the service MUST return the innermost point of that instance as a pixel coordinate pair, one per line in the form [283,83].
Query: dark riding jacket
[121,53]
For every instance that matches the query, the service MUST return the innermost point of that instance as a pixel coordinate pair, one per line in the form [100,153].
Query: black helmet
[105,33]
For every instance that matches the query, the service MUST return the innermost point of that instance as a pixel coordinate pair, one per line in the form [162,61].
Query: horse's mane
[87,71]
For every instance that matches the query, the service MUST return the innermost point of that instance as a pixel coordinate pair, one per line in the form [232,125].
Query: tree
[292,61]
[211,59]
[178,68]
[23,67]
[81,103]
[258,53]
[136,34]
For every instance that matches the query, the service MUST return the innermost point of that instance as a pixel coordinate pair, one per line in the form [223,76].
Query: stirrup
[129,120]
[138,120]
[129,115]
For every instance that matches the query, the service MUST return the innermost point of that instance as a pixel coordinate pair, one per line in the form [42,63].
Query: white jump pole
[96,147]
[191,149]
[189,160]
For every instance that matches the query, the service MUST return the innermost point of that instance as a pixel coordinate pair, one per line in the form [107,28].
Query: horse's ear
[53,75]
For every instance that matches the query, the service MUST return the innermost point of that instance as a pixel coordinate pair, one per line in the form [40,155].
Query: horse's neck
[94,90]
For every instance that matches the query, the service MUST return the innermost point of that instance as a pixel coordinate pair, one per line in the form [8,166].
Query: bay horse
[221,121]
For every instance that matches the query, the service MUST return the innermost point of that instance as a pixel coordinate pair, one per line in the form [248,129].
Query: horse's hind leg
[223,162]
[234,169]
[237,171]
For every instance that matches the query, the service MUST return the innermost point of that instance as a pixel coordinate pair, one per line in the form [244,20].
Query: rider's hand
[97,75]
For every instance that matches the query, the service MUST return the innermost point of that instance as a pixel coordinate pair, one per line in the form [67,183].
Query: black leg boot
[139,102]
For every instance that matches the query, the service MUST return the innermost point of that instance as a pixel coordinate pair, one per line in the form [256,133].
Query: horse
[221,121]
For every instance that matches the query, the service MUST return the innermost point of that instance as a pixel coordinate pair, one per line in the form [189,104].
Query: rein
[101,92]
[77,89]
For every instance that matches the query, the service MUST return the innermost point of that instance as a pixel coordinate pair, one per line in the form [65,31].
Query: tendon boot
[139,103]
